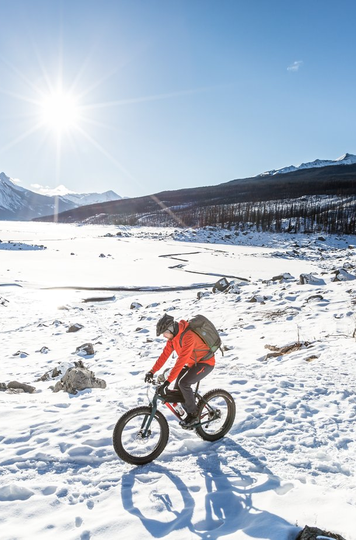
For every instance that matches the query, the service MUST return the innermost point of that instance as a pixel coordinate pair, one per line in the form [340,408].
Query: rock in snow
[75,327]
[78,378]
[21,386]
[310,279]
[342,275]
[87,349]
[314,533]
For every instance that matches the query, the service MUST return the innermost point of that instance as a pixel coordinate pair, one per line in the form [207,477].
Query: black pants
[186,378]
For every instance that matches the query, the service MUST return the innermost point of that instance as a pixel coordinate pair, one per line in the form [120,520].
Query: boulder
[282,278]
[78,378]
[21,354]
[75,327]
[315,297]
[258,298]
[153,305]
[86,349]
[135,305]
[201,294]
[234,287]
[21,386]
[342,275]
[310,279]
[314,533]
[221,285]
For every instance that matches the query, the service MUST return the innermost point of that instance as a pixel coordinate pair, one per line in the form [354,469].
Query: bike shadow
[164,503]
[145,480]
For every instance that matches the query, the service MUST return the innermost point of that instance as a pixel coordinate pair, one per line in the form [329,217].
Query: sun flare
[60,111]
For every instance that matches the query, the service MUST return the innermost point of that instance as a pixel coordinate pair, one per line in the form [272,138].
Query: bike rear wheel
[216,413]
[131,442]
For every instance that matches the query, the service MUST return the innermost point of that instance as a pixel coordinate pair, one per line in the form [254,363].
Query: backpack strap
[182,334]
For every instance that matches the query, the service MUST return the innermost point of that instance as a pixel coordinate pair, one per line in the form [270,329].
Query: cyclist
[195,361]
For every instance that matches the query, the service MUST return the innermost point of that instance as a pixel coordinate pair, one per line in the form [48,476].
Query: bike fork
[144,431]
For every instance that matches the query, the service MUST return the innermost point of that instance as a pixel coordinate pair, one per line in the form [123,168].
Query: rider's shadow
[224,508]
[229,500]
[142,486]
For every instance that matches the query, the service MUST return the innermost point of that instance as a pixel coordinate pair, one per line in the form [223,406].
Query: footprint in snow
[49,490]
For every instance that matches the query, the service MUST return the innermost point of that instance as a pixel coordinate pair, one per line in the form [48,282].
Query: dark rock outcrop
[75,327]
[313,533]
[78,378]
[86,349]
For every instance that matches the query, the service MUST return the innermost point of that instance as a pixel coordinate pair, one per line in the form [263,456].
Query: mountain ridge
[320,177]
[345,159]
[175,205]
[18,203]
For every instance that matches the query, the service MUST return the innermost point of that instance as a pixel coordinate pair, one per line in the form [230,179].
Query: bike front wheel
[134,442]
[216,414]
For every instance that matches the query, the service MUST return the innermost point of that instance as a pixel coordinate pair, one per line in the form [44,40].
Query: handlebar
[160,379]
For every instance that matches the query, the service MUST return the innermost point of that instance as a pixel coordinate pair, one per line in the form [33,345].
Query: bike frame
[144,431]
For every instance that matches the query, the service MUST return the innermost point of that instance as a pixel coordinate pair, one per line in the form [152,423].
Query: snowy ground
[289,459]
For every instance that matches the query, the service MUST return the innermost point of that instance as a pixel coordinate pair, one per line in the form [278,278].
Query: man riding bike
[195,361]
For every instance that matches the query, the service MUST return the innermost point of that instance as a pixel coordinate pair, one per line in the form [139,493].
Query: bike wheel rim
[131,441]
[215,426]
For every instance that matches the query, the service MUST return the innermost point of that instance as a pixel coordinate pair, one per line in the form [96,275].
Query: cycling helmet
[165,323]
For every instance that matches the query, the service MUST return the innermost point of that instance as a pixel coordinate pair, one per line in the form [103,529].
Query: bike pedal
[189,426]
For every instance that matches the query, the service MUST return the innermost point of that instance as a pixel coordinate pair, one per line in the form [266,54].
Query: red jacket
[192,350]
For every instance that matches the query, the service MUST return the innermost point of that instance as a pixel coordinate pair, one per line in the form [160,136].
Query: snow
[10,194]
[345,159]
[289,459]
[80,199]
[15,198]
[59,191]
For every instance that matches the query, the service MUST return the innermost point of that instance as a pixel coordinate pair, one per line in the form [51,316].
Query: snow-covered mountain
[79,199]
[83,199]
[346,159]
[17,203]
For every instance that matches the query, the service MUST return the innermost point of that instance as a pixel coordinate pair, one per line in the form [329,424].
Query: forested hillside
[321,199]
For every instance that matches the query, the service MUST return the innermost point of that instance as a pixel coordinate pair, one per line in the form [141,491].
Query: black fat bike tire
[230,417]
[122,423]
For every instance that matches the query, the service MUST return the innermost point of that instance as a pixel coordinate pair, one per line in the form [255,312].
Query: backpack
[207,332]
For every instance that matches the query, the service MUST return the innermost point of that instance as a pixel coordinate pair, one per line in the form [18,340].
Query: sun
[60,111]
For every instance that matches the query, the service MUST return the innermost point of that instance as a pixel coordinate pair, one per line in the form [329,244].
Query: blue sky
[164,94]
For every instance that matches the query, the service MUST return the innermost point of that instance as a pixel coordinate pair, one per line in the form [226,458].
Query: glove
[149,377]
[162,390]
